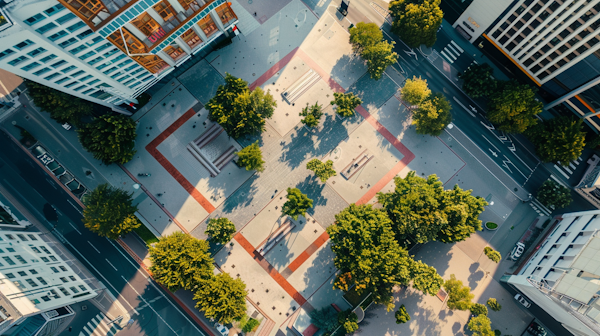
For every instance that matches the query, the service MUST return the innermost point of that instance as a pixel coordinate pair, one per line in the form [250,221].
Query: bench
[195,151]
[208,136]
[225,158]
[353,167]
[274,238]
[300,86]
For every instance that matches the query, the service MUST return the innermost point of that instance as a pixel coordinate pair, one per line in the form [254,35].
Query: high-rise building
[106,51]
[37,285]
[563,276]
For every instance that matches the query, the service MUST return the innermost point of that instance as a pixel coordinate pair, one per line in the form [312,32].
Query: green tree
[349,320]
[222,298]
[553,195]
[180,261]
[513,107]
[324,319]
[379,57]
[492,254]
[311,114]
[416,22]
[364,35]
[481,326]
[62,106]
[415,90]
[346,103]
[558,139]
[478,309]
[220,230]
[433,115]
[323,170]
[110,138]
[250,326]
[239,111]
[297,203]
[367,254]
[109,212]
[493,304]
[459,296]
[250,157]
[592,140]
[402,315]
[425,278]
[478,80]
[421,210]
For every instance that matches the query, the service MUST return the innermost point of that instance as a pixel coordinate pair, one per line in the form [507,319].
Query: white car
[517,251]
[67,126]
[522,301]
[223,330]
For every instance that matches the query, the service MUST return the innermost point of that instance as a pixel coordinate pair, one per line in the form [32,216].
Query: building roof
[582,282]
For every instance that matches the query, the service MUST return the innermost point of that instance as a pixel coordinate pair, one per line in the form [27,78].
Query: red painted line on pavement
[281,281]
[308,252]
[324,75]
[273,70]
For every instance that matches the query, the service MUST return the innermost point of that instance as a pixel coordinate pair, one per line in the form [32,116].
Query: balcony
[96,12]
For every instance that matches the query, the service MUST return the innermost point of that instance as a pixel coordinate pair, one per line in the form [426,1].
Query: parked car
[38,151]
[522,301]
[223,330]
[58,172]
[517,251]
[536,329]
[66,178]
[73,185]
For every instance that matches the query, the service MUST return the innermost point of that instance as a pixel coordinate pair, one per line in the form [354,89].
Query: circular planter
[491,226]
[360,313]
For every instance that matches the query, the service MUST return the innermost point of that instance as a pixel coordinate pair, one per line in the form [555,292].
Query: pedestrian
[254,13]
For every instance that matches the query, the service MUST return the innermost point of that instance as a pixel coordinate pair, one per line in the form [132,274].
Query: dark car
[536,329]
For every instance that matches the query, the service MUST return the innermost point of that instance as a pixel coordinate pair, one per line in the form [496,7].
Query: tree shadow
[314,189]
[321,271]
[347,70]
[435,254]
[242,197]
[475,275]
[298,148]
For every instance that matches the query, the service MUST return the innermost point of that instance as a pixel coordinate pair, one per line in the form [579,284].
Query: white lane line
[488,140]
[567,169]
[74,227]
[572,166]
[558,181]
[456,46]
[74,206]
[149,306]
[507,160]
[463,106]
[580,159]
[113,266]
[94,247]
[575,162]
[560,171]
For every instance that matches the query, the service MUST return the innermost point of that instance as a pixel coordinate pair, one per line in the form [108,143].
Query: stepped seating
[213,167]
[359,162]
[300,86]
[274,238]
[225,158]
[208,136]
[195,151]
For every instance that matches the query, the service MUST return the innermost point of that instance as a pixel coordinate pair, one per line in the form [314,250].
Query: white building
[563,276]
[106,51]
[36,285]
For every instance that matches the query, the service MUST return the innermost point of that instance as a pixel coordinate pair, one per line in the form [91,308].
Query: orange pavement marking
[308,252]
[273,70]
[283,283]
[152,149]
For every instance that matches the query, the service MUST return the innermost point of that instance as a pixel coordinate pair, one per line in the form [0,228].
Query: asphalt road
[151,309]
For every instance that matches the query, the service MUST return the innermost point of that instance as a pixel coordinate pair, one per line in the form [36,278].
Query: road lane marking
[463,106]
[558,181]
[94,247]
[456,45]
[74,206]
[113,266]
[507,160]
[74,227]
[560,171]
[575,162]
[488,140]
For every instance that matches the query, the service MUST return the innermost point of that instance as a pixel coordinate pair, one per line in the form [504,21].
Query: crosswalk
[451,52]
[567,170]
[540,208]
[97,327]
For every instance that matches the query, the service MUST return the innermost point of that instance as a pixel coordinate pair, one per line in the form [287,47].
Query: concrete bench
[274,238]
[195,151]
[300,86]
[208,136]
[353,167]
[225,158]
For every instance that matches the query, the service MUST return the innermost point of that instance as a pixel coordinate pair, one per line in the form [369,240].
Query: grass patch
[354,298]
[491,225]
[146,234]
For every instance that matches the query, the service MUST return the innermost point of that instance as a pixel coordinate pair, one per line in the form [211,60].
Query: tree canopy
[492,254]
[425,278]
[323,170]
[220,230]
[415,90]
[109,212]
[250,157]
[416,22]
[364,35]
[481,325]
[433,115]
[311,114]
[478,309]
[553,195]
[422,210]
[180,261]
[110,138]
[239,111]
[367,41]
[349,321]
[459,295]
[478,80]
[402,315]
[493,304]
[222,298]
[346,103]
[62,106]
[558,139]
[513,107]
[297,203]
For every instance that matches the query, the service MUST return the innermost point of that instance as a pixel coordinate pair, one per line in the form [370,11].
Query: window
[6,53]
[45,298]
[63,268]
[46,60]
[147,25]
[117,74]
[10,275]
[30,66]
[57,35]
[44,259]
[53,258]
[83,79]
[58,64]
[23,45]
[22,237]
[65,18]
[20,259]
[8,260]
[33,237]
[31,283]
[64,291]
[35,301]
[56,296]
[110,70]
[54,269]
[165,10]
[87,55]
[53,10]
[67,43]
[74,290]
[63,279]
[35,249]
[49,78]
[88,91]
[10,249]
[42,281]
[77,73]
[72,278]
[33,271]
[71,84]
[21,273]
[83,35]
[46,27]
[95,60]
[1,251]
[175,52]
[35,19]
[13,63]
[77,50]
[10,237]
[225,14]
[208,26]
[65,70]
[36,52]
[79,88]
[82,287]
[95,40]
[124,63]
[191,38]
[19,284]
[94,81]
[76,26]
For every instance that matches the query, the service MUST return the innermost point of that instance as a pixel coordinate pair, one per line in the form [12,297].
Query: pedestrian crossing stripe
[98,327]
[446,57]
[456,46]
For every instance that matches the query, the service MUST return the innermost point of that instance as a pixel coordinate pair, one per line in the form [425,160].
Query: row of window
[20,236]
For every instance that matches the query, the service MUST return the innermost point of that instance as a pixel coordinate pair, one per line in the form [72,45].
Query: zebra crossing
[568,170]
[451,52]
[540,208]
[98,327]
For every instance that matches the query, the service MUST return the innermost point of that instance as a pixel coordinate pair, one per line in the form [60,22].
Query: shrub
[497,332]
[493,304]
[348,320]
[492,254]
[401,315]
[478,309]
[250,326]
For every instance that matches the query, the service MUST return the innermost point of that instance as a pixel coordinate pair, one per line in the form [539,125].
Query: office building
[106,51]
[563,276]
